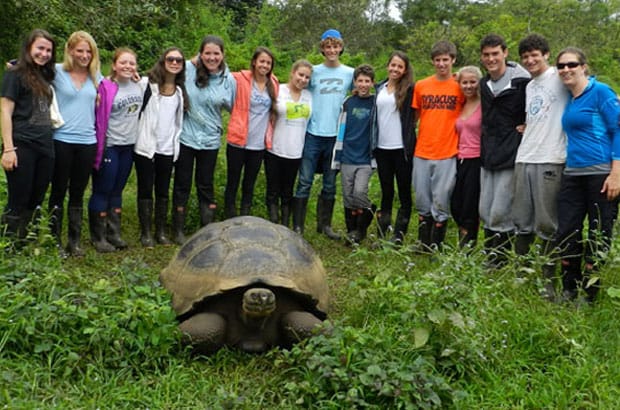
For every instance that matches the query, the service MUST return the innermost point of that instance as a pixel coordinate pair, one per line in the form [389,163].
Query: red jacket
[240,115]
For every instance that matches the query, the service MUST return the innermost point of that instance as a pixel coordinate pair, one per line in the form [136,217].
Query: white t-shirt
[290,127]
[544,140]
[165,124]
[388,121]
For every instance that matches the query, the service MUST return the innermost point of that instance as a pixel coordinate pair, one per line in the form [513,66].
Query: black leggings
[238,160]
[154,174]
[392,164]
[72,169]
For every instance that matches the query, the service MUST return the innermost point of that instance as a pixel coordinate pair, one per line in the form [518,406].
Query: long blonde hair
[94,67]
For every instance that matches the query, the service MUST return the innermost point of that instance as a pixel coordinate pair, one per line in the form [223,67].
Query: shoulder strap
[145,99]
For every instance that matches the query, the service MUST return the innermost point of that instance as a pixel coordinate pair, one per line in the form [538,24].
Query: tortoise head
[258,302]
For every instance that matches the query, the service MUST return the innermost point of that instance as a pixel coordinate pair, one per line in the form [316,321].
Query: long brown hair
[271,89]
[37,78]
[94,66]
[202,74]
[157,74]
[404,82]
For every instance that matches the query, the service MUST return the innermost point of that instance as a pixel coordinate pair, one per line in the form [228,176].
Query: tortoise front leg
[298,325]
[206,332]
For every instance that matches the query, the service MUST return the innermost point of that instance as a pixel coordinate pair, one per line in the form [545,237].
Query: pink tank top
[469,130]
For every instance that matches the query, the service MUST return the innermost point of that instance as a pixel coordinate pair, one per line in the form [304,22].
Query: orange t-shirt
[439,104]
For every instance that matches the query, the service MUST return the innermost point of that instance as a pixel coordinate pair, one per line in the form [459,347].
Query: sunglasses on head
[177,60]
[571,64]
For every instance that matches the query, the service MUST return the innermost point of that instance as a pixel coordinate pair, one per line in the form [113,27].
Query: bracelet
[6,151]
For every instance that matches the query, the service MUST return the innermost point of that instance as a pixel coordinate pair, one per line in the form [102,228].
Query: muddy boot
[97,223]
[207,213]
[74,232]
[384,222]
[364,219]
[178,225]
[468,236]
[523,241]
[113,229]
[571,278]
[285,214]
[145,216]
[161,219]
[400,227]
[274,212]
[324,213]
[299,214]
[425,227]
[350,220]
[438,234]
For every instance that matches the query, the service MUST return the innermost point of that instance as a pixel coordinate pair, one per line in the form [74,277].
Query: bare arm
[9,153]
[611,186]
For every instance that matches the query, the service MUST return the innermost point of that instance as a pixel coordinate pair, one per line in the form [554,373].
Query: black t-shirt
[32,124]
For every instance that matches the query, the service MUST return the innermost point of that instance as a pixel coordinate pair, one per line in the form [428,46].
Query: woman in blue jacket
[591,179]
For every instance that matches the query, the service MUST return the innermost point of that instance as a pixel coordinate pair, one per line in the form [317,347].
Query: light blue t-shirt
[202,123]
[329,87]
[77,107]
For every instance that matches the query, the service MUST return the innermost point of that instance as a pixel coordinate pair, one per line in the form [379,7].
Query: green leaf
[420,337]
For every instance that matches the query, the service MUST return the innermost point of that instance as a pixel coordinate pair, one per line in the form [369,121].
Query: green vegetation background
[410,331]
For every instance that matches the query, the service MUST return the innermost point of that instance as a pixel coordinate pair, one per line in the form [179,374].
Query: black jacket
[500,116]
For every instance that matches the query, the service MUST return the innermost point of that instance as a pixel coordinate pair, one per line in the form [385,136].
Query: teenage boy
[437,100]
[541,154]
[353,153]
[329,85]
[502,95]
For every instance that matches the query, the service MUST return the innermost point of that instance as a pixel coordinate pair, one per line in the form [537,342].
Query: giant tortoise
[246,283]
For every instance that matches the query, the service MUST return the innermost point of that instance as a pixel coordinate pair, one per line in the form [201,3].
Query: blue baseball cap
[331,33]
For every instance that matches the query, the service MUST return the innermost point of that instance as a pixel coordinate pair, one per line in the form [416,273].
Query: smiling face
[535,62]
[124,67]
[362,84]
[300,78]
[331,49]
[469,84]
[262,64]
[41,51]
[212,57]
[174,62]
[572,72]
[443,66]
[81,54]
[396,68]
[494,60]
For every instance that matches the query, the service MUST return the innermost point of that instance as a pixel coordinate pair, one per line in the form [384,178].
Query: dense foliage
[293,27]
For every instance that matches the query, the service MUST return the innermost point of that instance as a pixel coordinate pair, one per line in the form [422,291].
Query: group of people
[529,150]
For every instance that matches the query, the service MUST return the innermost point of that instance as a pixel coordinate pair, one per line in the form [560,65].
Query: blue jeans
[111,178]
[317,156]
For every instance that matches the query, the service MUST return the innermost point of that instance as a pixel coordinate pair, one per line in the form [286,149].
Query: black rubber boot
[161,219]
[274,212]
[145,216]
[178,225]
[591,289]
[400,227]
[350,220]
[299,214]
[324,213]
[468,236]
[97,222]
[245,209]
[425,227]
[384,221]
[207,213]
[438,234]
[571,278]
[113,229]
[496,245]
[523,243]
[364,220]
[55,223]
[285,214]
[74,231]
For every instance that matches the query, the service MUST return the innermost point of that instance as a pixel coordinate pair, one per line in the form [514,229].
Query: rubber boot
[97,223]
[230,211]
[425,227]
[571,278]
[364,219]
[384,221]
[274,212]
[400,227]
[468,236]
[300,206]
[548,271]
[207,213]
[55,223]
[74,231]
[324,213]
[161,218]
[113,229]
[496,245]
[145,216]
[245,209]
[285,214]
[350,220]
[523,243]
[28,222]
[10,228]
[178,225]
[438,234]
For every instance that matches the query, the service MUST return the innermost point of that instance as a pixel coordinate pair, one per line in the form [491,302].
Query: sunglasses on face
[571,64]
[177,60]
